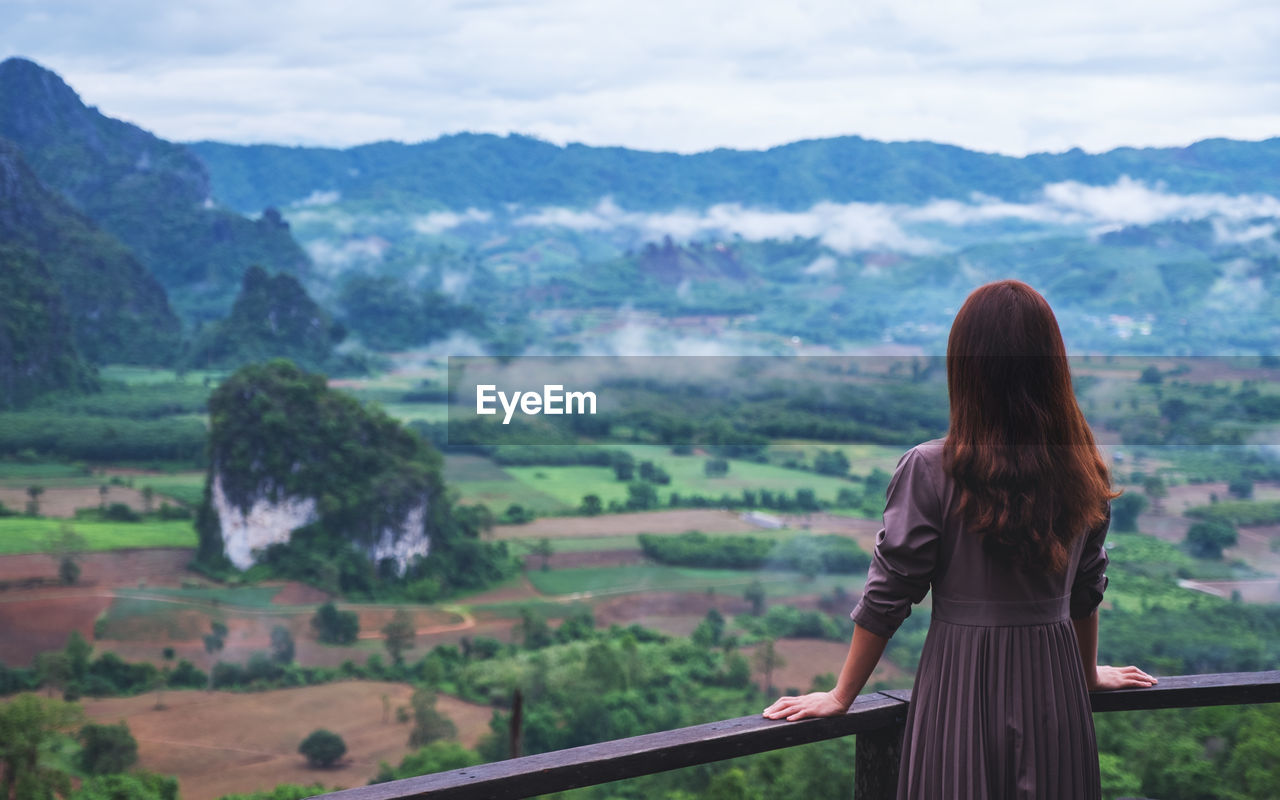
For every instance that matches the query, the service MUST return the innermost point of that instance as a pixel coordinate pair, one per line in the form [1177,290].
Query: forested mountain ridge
[273,317]
[151,194]
[37,350]
[116,308]
[486,171]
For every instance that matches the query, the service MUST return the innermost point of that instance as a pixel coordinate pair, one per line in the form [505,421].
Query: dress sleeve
[906,548]
[1091,576]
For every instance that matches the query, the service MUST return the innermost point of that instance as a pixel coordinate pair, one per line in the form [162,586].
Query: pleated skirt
[1000,712]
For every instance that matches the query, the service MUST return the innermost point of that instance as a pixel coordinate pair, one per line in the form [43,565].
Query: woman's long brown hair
[1029,474]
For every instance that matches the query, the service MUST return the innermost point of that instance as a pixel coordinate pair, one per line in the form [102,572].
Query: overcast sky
[998,75]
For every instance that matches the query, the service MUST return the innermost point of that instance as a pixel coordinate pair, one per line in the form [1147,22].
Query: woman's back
[999,707]
[1004,520]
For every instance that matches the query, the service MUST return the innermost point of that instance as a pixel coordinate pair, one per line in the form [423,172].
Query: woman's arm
[865,650]
[1101,678]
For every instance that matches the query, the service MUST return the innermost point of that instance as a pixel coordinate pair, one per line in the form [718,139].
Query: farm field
[216,743]
[603,581]
[30,535]
[610,525]
[862,457]
[569,484]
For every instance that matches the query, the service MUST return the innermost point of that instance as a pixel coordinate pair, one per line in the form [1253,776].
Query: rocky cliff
[305,478]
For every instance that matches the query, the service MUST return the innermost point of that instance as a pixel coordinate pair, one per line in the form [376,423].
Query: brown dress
[999,708]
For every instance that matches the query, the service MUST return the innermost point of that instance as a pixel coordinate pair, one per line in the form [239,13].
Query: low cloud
[851,227]
[822,265]
[318,198]
[438,222]
[842,227]
[332,256]
[1125,202]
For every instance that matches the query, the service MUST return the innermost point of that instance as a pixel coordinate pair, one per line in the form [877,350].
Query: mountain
[273,317]
[485,172]
[116,309]
[151,194]
[37,349]
[307,481]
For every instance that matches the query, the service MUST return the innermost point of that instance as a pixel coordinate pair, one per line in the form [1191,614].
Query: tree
[65,545]
[33,503]
[1151,376]
[132,786]
[710,630]
[1125,510]
[214,641]
[68,571]
[624,465]
[543,548]
[831,462]
[767,659]
[877,485]
[1240,488]
[641,496]
[54,670]
[282,646]
[1154,486]
[715,467]
[591,505]
[335,627]
[168,655]
[429,725]
[754,594]
[29,726]
[322,748]
[78,651]
[107,749]
[400,633]
[1207,538]
[534,631]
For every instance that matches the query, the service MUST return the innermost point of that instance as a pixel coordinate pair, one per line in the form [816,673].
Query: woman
[1004,520]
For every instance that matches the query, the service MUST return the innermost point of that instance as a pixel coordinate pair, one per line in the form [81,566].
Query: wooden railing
[876,719]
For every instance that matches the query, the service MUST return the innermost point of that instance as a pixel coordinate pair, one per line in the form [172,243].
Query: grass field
[578,544]
[140,618]
[30,535]
[136,375]
[413,412]
[568,485]
[185,487]
[862,457]
[622,580]
[40,471]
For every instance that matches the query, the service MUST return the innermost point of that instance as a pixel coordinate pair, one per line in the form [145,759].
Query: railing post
[875,762]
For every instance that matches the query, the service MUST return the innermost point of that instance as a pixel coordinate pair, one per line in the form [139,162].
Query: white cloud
[438,222]
[332,256]
[1133,203]
[842,227]
[989,74]
[318,198]
[1125,202]
[1243,234]
[822,265]
[849,227]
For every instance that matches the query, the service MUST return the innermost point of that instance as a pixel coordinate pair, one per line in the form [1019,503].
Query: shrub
[107,749]
[322,748]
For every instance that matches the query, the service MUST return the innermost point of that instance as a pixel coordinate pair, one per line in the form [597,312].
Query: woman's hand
[816,704]
[1120,678]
